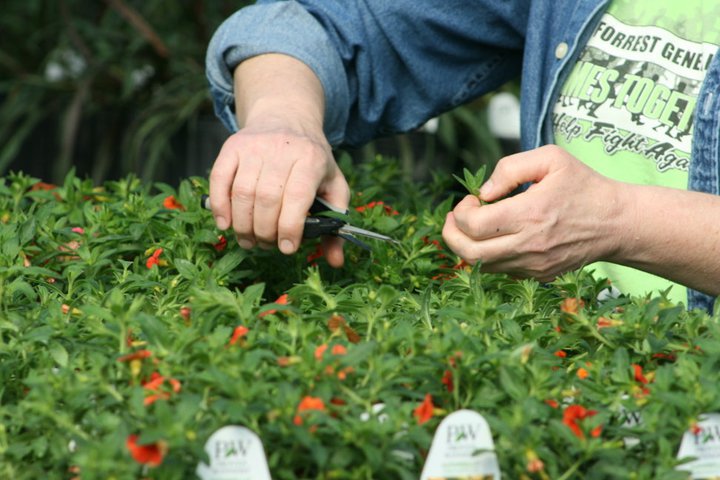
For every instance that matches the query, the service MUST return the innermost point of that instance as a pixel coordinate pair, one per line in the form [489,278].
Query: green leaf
[58,353]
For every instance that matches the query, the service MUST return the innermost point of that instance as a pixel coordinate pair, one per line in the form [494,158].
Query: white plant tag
[630,419]
[236,453]
[704,445]
[462,448]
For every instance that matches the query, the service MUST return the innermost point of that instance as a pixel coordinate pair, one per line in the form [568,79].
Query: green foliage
[77,296]
[472,181]
[119,78]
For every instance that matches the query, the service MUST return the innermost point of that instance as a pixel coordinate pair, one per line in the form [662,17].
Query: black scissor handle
[319,226]
[314,226]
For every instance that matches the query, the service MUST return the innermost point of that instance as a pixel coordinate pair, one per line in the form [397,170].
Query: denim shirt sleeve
[385,65]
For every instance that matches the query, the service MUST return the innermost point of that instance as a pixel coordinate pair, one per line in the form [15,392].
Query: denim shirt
[387,66]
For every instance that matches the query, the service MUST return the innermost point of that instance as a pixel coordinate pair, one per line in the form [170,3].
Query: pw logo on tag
[462,448]
[235,453]
[702,444]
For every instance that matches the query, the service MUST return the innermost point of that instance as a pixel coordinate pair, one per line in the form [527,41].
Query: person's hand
[564,221]
[263,183]
[267,175]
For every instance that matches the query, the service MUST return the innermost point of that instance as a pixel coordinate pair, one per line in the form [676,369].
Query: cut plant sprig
[473,181]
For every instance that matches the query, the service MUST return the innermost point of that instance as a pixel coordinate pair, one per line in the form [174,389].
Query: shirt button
[561,50]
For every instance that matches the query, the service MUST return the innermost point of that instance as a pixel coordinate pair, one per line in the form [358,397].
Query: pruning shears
[318,223]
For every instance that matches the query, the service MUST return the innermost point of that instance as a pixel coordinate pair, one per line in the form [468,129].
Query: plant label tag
[462,448]
[703,443]
[630,419]
[235,453]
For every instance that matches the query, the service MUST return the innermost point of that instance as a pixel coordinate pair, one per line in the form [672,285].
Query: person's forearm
[671,233]
[278,88]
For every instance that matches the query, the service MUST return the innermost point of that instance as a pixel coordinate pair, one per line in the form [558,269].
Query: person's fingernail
[221,223]
[244,243]
[486,188]
[286,246]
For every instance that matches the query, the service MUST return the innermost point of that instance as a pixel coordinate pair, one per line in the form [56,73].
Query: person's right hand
[264,181]
[267,175]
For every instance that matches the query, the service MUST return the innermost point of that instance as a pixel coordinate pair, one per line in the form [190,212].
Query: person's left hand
[567,219]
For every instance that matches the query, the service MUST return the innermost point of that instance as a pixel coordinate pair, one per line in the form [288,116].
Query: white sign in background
[235,453]
[462,447]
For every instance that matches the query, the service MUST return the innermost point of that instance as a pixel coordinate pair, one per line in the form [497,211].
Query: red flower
[454,357]
[552,403]
[185,312]
[317,253]
[78,230]
[424,411]
[308,403]
[388,209]
[282,300]
[670,357]
[560,353]
[171,203]
[151,454]
[582,373]
[575,413]
[221,243]
[154,259]
[447,380]
[139,355]
[239,332]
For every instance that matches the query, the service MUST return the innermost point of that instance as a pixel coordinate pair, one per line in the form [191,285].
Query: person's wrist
[620,222]
[280,114]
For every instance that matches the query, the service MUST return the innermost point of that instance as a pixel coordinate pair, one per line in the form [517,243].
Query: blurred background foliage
[114,87]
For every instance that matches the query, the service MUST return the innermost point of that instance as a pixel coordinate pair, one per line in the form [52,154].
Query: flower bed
[131,330]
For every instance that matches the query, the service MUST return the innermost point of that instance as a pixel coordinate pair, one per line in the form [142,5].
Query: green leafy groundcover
[130,332]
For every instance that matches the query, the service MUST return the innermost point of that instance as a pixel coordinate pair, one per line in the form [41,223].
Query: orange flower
[582,373]
[308,403]
[572,305]
[185,313]
[139,355]
[47,187]
[281,300]
[239,332]
[151,454]
[336,321]
[339,350]
[320,351]
[447,380]
[534,464]
[172,203]
[638,374]
[424,411]
[221,243]
[575,413]
[552,403]
[155,384]
[604,322]
[342,374]
[560,353]
[154,259]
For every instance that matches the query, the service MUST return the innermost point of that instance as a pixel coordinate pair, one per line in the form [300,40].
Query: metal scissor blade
[351,230]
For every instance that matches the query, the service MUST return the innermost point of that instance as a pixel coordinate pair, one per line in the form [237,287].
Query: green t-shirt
[626,109]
